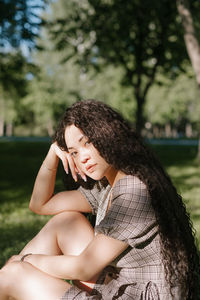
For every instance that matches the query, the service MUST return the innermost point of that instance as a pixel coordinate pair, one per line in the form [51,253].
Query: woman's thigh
[66,233]
[21,281]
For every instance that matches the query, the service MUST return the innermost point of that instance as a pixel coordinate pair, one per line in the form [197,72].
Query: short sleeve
[91,196]
[95,195]
[130,217]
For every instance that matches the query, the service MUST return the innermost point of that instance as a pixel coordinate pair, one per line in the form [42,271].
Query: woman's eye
[73,154]
[87,143]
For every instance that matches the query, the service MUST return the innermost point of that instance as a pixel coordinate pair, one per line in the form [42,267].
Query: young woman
[142,246]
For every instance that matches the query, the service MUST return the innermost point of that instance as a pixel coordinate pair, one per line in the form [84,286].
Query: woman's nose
[84,157]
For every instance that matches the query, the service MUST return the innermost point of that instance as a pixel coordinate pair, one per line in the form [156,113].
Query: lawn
[19,163]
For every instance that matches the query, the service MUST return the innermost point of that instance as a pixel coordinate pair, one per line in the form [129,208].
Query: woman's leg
[67,233]
[21,281]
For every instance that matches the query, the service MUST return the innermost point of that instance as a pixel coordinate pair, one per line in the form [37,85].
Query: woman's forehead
[73,135]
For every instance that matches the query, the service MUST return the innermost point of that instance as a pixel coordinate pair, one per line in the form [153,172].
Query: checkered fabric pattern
[138,272]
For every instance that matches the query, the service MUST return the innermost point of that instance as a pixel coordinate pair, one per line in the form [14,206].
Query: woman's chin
[96,177]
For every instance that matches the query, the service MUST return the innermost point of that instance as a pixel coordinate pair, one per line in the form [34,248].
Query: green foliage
[120,52]
[13,84]
[175,101]
[19,21]
[19,25]
[60,82]
[140,37]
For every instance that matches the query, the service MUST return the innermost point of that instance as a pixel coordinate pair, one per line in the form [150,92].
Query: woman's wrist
[49,168]
[51,161]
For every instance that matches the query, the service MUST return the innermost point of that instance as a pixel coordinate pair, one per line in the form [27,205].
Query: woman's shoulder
[129,184]
[130,197]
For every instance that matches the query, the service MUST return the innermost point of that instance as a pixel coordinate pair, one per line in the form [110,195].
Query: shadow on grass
[175,155]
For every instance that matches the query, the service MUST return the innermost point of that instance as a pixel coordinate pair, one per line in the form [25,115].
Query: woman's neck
[114,175]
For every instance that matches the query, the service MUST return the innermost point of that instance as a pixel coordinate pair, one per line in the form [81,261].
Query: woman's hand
[67,162]
[43,190]
[14,258]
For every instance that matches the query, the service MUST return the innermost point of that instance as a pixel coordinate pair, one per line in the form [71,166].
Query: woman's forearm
[45,182]
[60,266]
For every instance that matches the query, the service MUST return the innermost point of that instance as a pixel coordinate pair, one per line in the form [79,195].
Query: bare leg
[66,233]
[21,281]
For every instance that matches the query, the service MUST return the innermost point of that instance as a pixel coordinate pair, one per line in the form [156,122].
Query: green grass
[19,163]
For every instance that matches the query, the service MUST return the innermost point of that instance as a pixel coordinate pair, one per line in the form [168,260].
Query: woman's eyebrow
[80,139]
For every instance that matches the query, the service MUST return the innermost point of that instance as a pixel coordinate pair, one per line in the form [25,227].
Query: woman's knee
[68,220]
[74,232]
[9,274]
[12,268]
[68,216]
[21,280]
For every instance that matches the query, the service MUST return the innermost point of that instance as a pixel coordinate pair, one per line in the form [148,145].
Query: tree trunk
[198,153]
[1,126]
[9,129]
[192,44]
[139,114]
[50,129]
[191,41]
[168,130]
[188,130]
[156,132]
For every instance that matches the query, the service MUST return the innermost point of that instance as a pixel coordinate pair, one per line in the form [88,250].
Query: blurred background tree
[130,54]
[177,115]
[143,38]
[190,35]
[19,25]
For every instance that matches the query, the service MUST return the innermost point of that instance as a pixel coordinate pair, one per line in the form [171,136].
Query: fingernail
[84,178]
[66,171]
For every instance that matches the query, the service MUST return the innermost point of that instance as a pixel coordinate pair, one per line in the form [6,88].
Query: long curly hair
[125,150]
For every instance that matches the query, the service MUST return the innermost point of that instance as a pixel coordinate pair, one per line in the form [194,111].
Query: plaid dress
[138,273]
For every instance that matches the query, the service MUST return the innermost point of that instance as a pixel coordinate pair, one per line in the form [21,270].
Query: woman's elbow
[34,208]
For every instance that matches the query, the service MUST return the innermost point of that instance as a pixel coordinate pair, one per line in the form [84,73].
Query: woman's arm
[99,253]
[42,199]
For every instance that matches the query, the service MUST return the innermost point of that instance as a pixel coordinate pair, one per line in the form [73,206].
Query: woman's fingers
[68,162]
[72,167]
[62,156]
[64,159]
[83,176]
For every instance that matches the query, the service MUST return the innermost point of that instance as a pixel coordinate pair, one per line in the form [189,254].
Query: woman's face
[85,155]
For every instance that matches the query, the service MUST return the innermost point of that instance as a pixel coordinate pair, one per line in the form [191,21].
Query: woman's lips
[90,168]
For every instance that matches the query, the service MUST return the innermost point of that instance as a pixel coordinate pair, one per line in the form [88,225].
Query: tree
[19,25]
[59,83]
[178,113]
[191,41]
[190,36]
[140,37]
[13,87]
[19,22]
